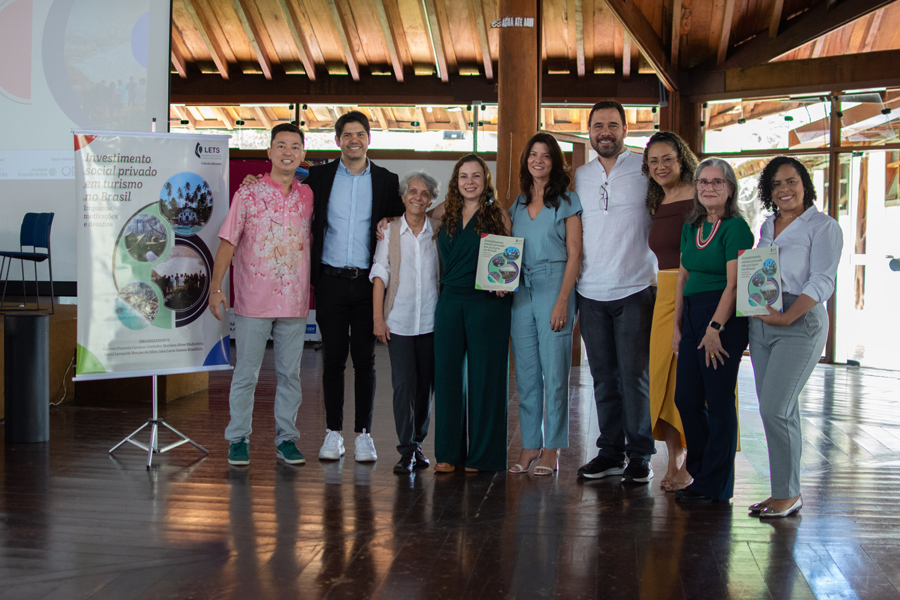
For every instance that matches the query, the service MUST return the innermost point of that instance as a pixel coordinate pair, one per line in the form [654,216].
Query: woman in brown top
[669,165]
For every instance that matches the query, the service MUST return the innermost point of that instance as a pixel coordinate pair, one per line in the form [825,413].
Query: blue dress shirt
[346,240]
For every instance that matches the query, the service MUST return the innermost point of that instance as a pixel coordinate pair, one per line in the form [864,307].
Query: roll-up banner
[149,209]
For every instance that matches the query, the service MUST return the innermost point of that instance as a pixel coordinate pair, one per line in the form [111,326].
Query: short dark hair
[290,128]
[768,175]
[603,104]
[354,116]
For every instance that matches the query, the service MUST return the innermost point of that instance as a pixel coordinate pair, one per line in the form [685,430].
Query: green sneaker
[288,452]
[239,453]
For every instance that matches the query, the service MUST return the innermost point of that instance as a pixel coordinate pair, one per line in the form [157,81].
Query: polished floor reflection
[77,523]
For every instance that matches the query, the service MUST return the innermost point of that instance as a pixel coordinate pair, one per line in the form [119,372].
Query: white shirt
[618,261]
[413,310]
[809,250]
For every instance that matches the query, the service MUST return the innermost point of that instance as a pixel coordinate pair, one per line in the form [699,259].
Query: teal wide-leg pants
[543,359]
[471,380]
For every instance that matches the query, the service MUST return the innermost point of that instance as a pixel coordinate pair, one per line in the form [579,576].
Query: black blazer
[386,202]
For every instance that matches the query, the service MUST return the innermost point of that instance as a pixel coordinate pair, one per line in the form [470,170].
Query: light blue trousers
[543,359]
[783,359]
[252,335]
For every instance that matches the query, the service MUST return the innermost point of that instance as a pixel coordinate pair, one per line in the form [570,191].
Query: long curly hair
[687,161]
[559,172]
[489,216]
[768,174]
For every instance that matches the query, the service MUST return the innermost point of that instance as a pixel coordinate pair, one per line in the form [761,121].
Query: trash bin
[26,347]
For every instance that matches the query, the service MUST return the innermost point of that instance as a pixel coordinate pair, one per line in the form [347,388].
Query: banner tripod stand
[154,424]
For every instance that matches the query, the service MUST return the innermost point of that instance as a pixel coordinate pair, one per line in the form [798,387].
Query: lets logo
[202,152]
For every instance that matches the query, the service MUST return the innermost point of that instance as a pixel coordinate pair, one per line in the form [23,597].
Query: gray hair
[698,213]
[433,185]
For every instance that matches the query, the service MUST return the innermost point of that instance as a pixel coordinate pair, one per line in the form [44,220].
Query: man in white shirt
[616,294]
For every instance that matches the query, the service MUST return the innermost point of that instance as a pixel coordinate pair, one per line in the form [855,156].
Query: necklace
[701,243]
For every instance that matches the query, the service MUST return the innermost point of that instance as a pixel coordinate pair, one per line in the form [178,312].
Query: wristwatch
[716,326]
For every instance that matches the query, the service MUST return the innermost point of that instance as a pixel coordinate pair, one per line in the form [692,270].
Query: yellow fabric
[663,364]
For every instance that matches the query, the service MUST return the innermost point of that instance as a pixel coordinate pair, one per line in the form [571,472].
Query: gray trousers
[617,339]
[252,335]
[412,375]
[783,359]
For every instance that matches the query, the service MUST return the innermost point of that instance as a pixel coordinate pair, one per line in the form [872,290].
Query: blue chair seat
[35,256]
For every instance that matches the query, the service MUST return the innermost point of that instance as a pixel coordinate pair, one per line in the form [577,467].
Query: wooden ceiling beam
[778,79]
[262,117]
[430,17]
[481,25]
[423,124]
[177,52]
[459,117]
[390,39]
[727,21]
[801,30]
[382,120]
[676,32]
[579,38]
[300,43]
[223,115]
[636,24]
[254,34]
[200,89]
[206,32]
[626,54]
[341,25]
[775,18]
[185,115]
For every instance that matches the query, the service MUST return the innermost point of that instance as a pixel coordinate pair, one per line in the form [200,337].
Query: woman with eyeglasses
[786,346]
[471,330]
[548,217]
[707,338]
[669,167]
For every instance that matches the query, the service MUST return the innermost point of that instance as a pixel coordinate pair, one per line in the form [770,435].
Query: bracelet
[217,292]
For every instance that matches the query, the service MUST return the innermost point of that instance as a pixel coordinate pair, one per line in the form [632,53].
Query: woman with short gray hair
[707,338]
[405,277]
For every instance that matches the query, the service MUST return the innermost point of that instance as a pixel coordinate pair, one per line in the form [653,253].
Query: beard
[614,150]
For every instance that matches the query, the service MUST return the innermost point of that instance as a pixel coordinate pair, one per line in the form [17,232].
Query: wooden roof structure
[400,57]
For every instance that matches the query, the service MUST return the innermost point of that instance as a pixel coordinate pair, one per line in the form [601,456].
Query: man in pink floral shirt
[268,234]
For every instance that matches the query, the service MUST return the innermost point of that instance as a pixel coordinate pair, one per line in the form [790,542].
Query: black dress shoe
[405,465]
[688,497]
[421,460]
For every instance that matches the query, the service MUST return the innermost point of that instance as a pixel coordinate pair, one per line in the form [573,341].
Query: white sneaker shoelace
[365,448]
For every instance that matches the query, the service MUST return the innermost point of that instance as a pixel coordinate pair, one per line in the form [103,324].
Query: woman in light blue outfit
[543,315]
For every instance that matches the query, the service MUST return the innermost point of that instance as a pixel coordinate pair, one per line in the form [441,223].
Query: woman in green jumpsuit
[471,331]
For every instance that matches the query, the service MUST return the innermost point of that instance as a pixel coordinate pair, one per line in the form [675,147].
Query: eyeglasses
[717,184]
[604,196]
[666,161]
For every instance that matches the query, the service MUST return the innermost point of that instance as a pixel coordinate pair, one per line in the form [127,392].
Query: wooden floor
[77,523]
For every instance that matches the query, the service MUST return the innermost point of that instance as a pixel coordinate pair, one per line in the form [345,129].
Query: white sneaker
[365,448]
[333,448]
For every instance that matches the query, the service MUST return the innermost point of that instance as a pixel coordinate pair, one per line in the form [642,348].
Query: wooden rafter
[646,39]
[850,71]
[390,39]
[727,20]
[626,54]
[579,37]
[178,48]
[775,18]
[429,15]
[477,8]
[872,30]
[423,124]
[676,32]
[255,35]
[341,25]
[816,22]
[459,117]
[300,42]
[262,117]
[223,115]
[382,120]
[206,32]
[185,115]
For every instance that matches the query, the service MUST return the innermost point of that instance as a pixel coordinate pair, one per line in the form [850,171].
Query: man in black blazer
[351,196]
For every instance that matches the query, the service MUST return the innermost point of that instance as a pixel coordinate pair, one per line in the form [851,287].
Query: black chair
[35,233]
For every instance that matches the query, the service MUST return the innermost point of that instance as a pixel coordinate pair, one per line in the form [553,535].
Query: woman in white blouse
[786,346]
[405,292]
